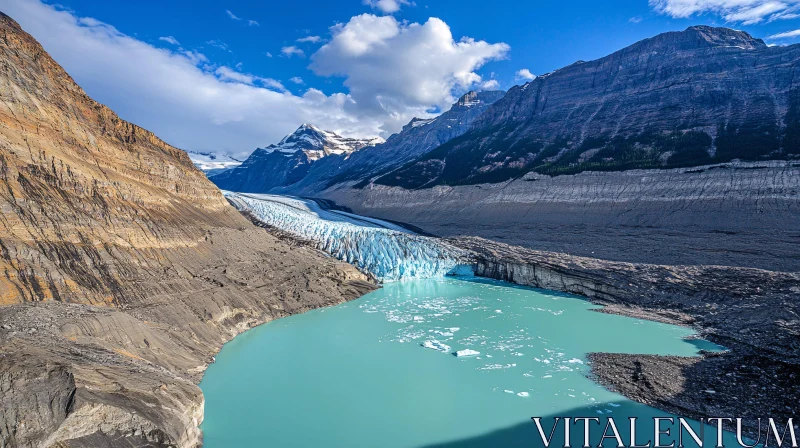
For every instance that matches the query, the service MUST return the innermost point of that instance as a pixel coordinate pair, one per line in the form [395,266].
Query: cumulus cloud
[312,39]
[297,80]
[170,40]
[785,35]
[386,6]
[746,12]
[394,68]
[195,104]
[524,74]
[491,84]
[292,51]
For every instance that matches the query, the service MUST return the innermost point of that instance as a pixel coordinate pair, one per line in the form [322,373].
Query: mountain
[700,96]
[123,269]
[288,161]
[211,163]
[416,138]
[282,168]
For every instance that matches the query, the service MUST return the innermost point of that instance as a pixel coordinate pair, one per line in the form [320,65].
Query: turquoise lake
[357,375]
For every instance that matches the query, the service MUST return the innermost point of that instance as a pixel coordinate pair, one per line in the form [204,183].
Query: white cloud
[785,35]
[386,6]
[218,44]
[525,74]
[746,12]
[297,80]
[228,74]
[312,39]
[235,17]
[195,104]
[170,40]
[398,69]
[268,54]
[292,51]
[491,84]
[635,19]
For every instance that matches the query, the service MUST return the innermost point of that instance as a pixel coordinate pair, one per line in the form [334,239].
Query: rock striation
[122,269]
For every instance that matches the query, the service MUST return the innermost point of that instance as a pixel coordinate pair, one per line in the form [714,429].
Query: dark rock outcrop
[700,96]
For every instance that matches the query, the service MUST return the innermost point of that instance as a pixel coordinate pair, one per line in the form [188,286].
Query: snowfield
[385,250]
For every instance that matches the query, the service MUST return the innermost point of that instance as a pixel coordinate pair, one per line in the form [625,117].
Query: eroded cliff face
[122,269]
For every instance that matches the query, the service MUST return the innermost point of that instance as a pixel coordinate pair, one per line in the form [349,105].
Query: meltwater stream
[379,371]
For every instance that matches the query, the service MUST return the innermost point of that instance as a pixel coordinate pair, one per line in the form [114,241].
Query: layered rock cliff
[703,95]
[122,269]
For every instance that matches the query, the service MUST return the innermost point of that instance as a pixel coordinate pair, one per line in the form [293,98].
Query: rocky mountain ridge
[297,174]
[696,97]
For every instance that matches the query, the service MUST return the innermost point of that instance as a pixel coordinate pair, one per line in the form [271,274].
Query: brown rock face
[122,269]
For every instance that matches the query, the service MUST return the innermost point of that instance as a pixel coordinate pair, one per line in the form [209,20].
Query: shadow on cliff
[526,434]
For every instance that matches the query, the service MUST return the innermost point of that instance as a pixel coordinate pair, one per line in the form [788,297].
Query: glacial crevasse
[386,250]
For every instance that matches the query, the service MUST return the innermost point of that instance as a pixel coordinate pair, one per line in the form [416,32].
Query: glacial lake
[357,374]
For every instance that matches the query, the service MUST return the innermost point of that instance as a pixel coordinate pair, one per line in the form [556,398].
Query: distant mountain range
[288,161]
[311,159]
[701,96]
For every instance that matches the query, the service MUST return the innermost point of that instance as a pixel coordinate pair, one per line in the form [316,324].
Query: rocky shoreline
[753,313]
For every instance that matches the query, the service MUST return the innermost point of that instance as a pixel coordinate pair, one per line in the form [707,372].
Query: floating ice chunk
[436,345]
[522,394]
[498,311]
[575,361]
[508,391]
[467,352]
[614,405]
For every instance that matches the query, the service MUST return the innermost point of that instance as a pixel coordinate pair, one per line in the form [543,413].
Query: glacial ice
[385,250]
[436,345]
[467,352]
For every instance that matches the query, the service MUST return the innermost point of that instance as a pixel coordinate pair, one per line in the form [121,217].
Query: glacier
[386,250]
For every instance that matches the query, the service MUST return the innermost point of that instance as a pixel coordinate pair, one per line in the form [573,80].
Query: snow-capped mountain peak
[318,143]
[211,163]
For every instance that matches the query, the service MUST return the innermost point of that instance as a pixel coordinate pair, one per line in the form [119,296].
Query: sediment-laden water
[359,374]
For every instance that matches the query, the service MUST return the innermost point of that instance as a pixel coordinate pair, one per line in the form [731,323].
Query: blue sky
[230,75]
